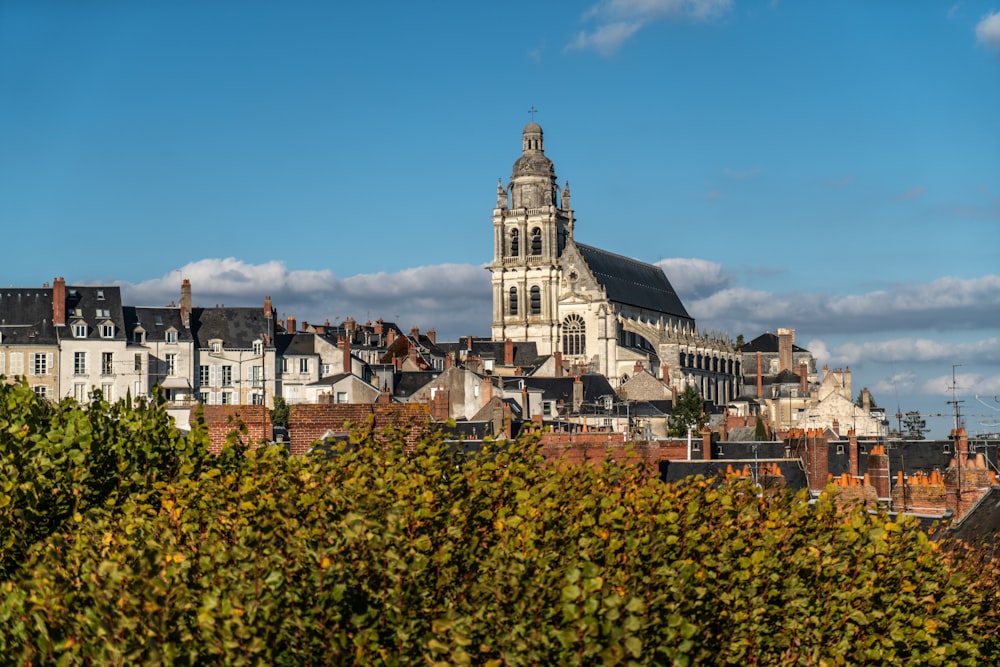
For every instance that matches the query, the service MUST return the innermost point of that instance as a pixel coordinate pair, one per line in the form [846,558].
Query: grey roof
[767,342]
[295,344]
[26,316]
[981,524]
[155,322]
[595,387]
[631,282]
[791,469]
[238,328]
[525,352]
[95,305]
[407,383]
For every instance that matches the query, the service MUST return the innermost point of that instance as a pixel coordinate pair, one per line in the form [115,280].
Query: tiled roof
[238,328]
[155,322]
[26,316]
[767,342]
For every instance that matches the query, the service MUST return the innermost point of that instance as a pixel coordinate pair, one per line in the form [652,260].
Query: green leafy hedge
[377,555]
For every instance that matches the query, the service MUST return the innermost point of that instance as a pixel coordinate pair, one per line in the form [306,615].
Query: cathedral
[609,313]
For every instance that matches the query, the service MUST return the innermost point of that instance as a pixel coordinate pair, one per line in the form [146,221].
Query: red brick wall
[222,420]
[308,423]
[594,448]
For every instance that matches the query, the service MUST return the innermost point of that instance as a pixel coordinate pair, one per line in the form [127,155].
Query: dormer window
[100,295]
[258,347]
[139,335]
[107,331]
[215,346]
[172,336]
[80,330]
[103,312]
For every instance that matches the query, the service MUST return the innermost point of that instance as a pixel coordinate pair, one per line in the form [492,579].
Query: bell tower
[532,223]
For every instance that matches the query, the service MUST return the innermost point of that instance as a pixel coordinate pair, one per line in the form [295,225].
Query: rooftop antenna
[954,401]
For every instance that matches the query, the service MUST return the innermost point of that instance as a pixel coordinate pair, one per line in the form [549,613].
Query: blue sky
[830,167]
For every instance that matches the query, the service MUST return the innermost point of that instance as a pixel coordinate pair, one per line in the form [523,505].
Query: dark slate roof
[155,322]
[767,342]
[650,408]
[981,524]
[407,383]
[237,327]
[95,305]
[329,380]
[26,316]
[292,344]
[595,386]
[525,352]
[672,471]
[629,281]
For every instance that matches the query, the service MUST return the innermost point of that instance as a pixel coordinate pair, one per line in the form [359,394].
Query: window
[137,363]
[103,312]
[41,392]
[536,241]
[514,243]
[227,376]
[342,397]
[79,331]
[39,363]
[203,397]
[203,376]
[172,337]
[171,363]
[216,346]
[139,335]
[107,331]
[100,295]
[303,365]
[107,364]
[79,363]
[226,398]
[536,300]
[106,392]
[257,376]
[258,347]
[513,301]
[574,336]
[80,392]
[284,365]
[256,398]
[17,363]
[324,370]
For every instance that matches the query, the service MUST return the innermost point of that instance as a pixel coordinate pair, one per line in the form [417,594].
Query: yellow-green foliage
[380,556]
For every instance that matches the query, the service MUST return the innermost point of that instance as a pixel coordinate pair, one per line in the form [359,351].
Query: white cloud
[988,31]
[606,39]
[696,277]
[617,20]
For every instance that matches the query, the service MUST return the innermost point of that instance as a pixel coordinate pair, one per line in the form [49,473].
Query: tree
[760,431]
[279,414]
[739,342]
[914,426]
[689,411]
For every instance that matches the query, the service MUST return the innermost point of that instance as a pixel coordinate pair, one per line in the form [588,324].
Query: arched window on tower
[536,241]
[574,335]
[514,246]
[512,303]
[536,300]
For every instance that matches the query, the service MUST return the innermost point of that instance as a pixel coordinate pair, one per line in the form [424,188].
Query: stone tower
[532,222]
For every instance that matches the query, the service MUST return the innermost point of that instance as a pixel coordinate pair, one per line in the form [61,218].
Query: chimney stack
[432,335]
[346,344]
[59,302]
[786,339]
[508,352]
[290,324]
[186,302]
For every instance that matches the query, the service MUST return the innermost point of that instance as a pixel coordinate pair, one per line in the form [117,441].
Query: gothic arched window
[536,300]
[574,335]
[536,241]
[512,309]
[514,243]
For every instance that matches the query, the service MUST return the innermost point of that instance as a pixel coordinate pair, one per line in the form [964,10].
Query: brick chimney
[878,471]
[345,344]
[290,324]
[390,336]
[803,379]
[486,390]
[786,339]
[558,362]
[760,376]
[377,329]
[186,302]
[439,407]
[665,370]
[637,368]
[415,333]
[577,394]
[852,452]
[59,302]
[508,352]
[432,335]
[267,307]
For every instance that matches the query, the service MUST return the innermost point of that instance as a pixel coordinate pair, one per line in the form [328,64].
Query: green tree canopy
[914,426]
[689,411]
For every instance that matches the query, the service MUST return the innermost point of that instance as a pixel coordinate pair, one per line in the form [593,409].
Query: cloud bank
[988,31]
[617,20]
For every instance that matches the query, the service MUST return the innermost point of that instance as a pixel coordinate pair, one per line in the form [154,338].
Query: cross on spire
[532,111]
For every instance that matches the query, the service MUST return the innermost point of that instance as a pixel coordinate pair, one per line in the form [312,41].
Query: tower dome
[533,161]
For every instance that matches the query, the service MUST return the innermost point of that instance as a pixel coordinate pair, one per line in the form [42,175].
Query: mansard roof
[96,306]
[595,387]
[238,328]
[295,344]
[26,316]
[155,322]
[768,343]
[634,283]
